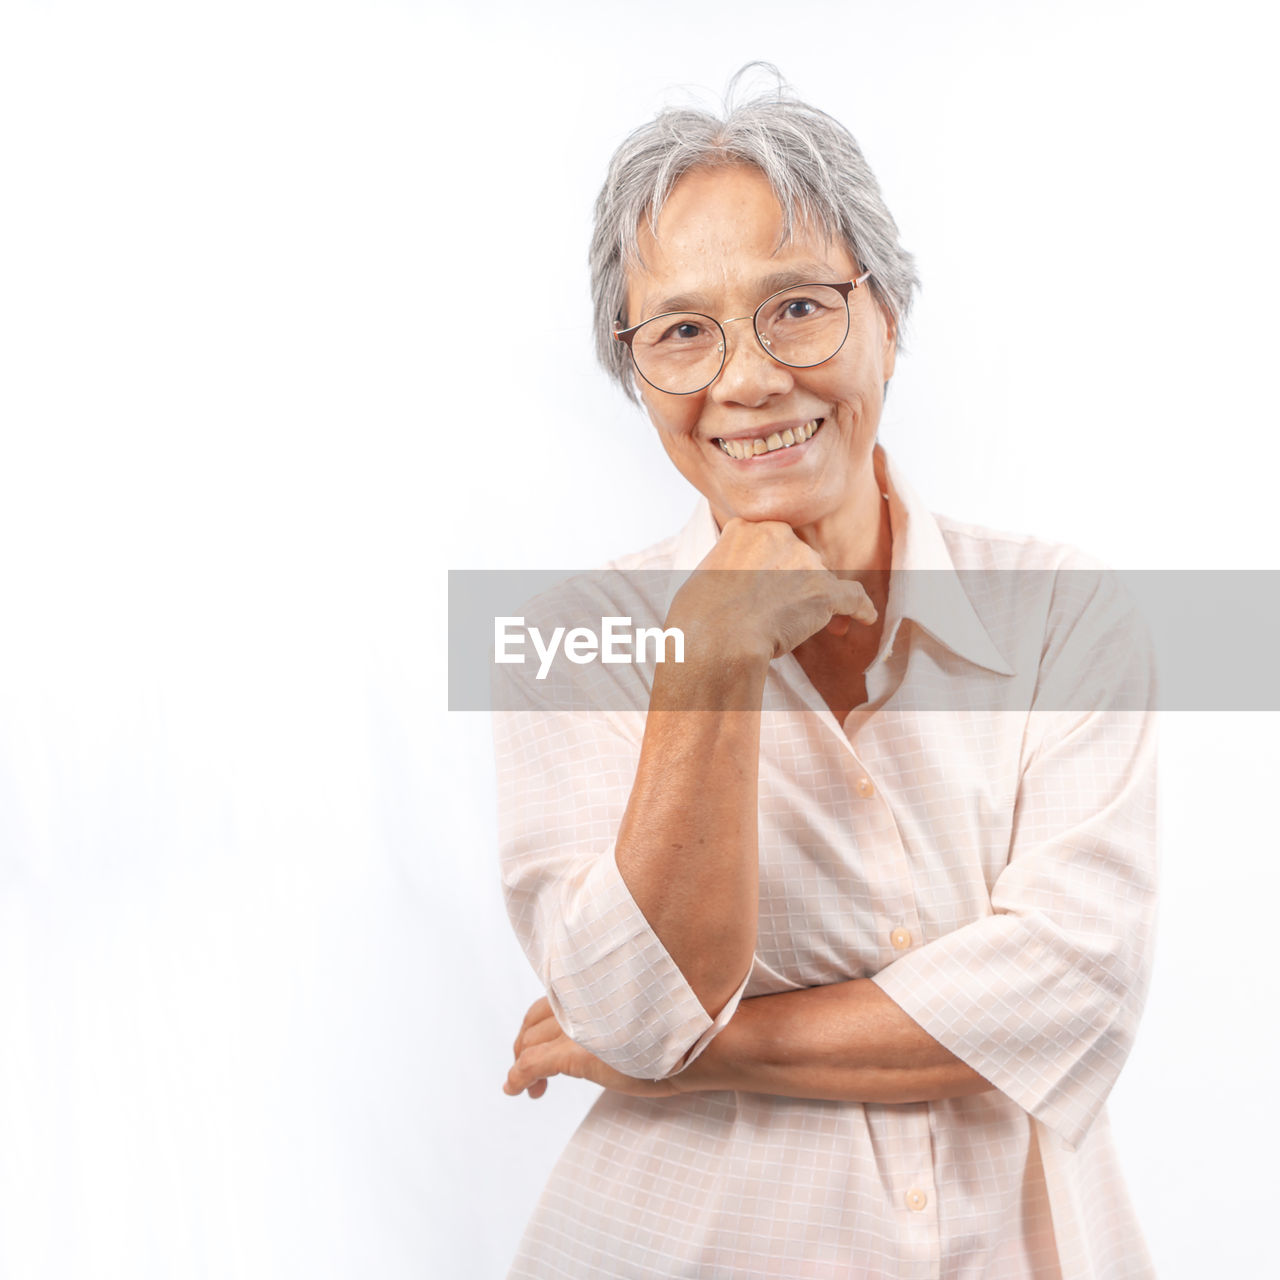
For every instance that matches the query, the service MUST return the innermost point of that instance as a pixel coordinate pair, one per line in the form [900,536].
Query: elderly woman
[847,914]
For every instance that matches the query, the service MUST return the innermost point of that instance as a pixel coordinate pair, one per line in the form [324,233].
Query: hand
[542,1050]
[751,609]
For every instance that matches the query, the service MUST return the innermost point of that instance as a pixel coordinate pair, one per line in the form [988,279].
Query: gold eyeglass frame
[844,288]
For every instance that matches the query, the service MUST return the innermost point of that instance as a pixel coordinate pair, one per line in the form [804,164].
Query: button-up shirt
[980,847]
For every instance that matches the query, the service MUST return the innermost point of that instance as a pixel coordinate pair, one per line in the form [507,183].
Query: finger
[540,1033]
[522,1073]
[852,601]
[536,1033]
[538,1010]
[519,1078]
[533,1064]
[537,1088]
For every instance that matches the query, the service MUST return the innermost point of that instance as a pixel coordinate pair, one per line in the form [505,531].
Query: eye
[684,330]
[676,336]
[799,308]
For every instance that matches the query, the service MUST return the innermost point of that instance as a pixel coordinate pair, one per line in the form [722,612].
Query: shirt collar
[934,600]
[924,585]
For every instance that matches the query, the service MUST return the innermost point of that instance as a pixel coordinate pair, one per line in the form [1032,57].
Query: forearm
[845,1042]
[688,845]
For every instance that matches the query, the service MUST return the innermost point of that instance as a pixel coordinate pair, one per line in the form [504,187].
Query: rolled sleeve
[1043,997]
[614,988]
[563,782]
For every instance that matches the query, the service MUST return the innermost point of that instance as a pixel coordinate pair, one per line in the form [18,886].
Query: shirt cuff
[616,991]
[1042,1032]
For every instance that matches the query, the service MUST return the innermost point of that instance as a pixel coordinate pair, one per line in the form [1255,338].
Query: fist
[761,591]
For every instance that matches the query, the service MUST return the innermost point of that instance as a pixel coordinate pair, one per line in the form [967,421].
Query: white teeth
[777,440]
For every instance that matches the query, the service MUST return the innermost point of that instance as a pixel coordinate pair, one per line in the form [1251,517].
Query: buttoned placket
[905,1128]
[900,929]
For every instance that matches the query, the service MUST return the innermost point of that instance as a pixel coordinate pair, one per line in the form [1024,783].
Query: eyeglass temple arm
[847,289]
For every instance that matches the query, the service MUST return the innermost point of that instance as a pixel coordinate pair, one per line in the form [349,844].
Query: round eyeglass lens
[680,352]
[803,326]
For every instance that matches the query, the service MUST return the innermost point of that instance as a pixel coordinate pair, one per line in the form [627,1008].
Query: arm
[847,1042]
[1041,998]
[630,870]
[688,847]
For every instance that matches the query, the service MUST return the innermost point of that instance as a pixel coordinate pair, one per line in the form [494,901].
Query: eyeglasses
[681,352]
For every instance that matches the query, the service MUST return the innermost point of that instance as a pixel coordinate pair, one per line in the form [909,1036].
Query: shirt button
[916,1199]
[864,788]
[901,939]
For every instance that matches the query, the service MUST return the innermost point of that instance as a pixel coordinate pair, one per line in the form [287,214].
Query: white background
[256,984]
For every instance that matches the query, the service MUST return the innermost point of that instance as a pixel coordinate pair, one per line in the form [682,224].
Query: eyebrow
[767,286]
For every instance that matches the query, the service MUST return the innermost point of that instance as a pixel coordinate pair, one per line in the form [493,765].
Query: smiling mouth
[742,449]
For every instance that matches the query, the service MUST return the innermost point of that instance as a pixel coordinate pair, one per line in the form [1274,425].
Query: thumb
[853,602]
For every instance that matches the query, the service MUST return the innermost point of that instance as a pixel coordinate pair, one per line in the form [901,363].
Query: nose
[749,374]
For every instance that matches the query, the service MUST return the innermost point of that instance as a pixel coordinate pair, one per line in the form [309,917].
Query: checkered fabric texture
[991,868]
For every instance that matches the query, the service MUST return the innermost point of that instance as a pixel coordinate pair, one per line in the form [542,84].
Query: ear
[889,351]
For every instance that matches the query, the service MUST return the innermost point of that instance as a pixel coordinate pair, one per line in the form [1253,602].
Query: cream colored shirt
[991,868]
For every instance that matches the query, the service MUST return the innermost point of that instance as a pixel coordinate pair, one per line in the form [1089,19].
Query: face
[716,251]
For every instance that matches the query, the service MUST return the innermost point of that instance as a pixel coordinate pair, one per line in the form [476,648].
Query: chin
[797,515]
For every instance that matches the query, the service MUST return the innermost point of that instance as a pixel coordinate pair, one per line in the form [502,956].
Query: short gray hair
[811,161]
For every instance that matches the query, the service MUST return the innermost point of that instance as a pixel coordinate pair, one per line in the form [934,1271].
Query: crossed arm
[687,850]
[1042,996]
[847,1042]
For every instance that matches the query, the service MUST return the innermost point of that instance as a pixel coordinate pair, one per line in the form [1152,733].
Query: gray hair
[811,161]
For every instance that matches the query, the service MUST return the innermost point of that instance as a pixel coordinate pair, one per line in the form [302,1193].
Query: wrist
[714,676]
[720,632]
